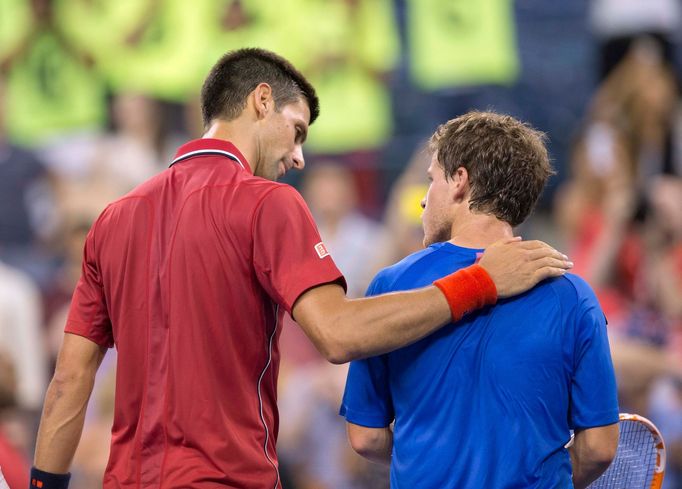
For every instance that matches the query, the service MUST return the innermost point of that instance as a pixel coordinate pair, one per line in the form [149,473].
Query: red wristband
[467,290]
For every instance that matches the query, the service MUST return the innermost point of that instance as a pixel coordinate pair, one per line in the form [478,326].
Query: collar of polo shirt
[209,146]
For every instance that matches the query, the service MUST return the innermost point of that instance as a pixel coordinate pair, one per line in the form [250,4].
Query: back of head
[506,160]
[238,73]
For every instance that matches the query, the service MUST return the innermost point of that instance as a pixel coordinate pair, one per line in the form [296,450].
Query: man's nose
[299,162]
[423,203]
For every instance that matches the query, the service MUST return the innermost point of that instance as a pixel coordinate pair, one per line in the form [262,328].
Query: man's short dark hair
[506,160]
[238,73]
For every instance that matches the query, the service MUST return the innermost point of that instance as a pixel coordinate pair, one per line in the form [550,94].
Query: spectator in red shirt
[189,276]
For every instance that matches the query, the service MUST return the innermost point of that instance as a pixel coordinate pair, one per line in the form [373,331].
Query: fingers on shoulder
[540,250]
[545,272]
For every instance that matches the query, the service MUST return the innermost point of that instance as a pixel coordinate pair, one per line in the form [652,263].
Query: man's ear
[262,100]
[459,183]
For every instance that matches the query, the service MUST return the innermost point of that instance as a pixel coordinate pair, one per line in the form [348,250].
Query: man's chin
[429,240]
[281,171]
[273,177]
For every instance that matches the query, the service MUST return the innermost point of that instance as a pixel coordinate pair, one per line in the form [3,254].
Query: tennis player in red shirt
[189,275]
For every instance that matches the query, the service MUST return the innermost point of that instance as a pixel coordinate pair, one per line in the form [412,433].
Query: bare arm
[592,452]
[375,444]
[345,329]
[65,403]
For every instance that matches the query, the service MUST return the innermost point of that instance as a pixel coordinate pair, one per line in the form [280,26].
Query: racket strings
[633,466]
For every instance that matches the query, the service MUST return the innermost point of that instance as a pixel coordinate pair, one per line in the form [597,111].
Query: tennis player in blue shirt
[488,402]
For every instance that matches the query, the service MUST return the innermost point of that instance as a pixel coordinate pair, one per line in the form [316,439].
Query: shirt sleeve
[88,315]
[367,397]
[289,255]
[594,400]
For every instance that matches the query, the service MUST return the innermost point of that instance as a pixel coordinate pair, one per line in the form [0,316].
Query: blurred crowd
[96,96]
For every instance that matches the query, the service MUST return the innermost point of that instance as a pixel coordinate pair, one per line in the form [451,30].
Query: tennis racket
[640,458]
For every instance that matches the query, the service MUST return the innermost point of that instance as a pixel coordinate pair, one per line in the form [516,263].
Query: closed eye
[301,134]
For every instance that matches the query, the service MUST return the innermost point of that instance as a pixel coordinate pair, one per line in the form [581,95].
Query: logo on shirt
[321,250]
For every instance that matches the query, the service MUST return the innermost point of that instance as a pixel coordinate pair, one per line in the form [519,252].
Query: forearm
[373,326]
[61,423]
[359,328]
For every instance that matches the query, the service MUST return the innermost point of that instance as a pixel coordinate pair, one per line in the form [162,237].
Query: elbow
[374,444]
[335,348]
[65,376]
[597,459]
[62,378]
[336,354]
[610,452]
[339,350]
[603,457]
[603,453]
[366,444]
[363,449]
[338,360]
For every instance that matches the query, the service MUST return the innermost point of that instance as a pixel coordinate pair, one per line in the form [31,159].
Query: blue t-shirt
[488,402]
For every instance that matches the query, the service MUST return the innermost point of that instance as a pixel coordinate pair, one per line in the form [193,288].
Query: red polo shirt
[189,276]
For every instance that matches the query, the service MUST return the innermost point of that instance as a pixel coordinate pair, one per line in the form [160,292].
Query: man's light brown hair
[506,160]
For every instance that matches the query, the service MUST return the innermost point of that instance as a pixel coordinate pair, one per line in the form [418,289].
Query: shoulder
[252,193]
[577,299]
[280,209]
[391,278]
[574,289]
[272,200]
[266,191]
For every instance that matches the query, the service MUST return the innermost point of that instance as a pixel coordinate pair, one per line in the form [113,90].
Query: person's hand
[516,266]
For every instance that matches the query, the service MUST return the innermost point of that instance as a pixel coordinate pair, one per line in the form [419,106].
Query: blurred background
[96,96]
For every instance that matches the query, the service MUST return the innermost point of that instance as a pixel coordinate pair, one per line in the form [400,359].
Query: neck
[473,230]
[234,132]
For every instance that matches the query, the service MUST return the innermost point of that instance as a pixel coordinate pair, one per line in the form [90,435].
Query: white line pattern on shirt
[260,398]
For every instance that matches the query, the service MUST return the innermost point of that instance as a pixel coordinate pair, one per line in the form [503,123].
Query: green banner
[459,42]
[15,23]
[50,92]
[347,50]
